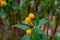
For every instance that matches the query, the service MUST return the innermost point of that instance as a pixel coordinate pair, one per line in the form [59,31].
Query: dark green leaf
[23,27]
[10,3]
[44,37]
[38,34]
[42,21]
[24,22]
[38,30]
[34,36]
[26,37]
[37,20]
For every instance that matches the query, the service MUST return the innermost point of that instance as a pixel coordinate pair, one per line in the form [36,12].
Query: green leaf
[44,37]
[23,27]
[2,13]
[42,21]
[24,22]
[34,36]
[38,34]
[26,37]
[38,30]
[10,3]
[37,20]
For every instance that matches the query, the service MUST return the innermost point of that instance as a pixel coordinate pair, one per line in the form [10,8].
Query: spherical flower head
[28,20]
[31,15]
[29,31]
[3,3]
[0,2]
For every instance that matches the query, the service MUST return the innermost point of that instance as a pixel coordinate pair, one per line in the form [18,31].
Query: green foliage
[37,33]
[57,37]
[26,37]
[38,30]
[37,20]
[23,27]
[42,21]
[14,12]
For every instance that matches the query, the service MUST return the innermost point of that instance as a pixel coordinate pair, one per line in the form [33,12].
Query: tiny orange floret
[29,31]
[31,15]
[3,3]
[28,20]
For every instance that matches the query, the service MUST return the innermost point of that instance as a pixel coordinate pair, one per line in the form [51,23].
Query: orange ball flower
[0,2]
[31,15]
[29,31]
[3,3]
[28,20]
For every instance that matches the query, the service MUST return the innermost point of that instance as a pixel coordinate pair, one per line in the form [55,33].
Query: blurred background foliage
[17,10]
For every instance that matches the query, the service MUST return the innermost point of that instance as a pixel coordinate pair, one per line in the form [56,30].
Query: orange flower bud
[31,15]
[28,31]
[3,3]
[28,20]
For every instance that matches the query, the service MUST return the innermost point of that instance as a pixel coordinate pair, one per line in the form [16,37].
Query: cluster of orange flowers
[3,3]
[28,21]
